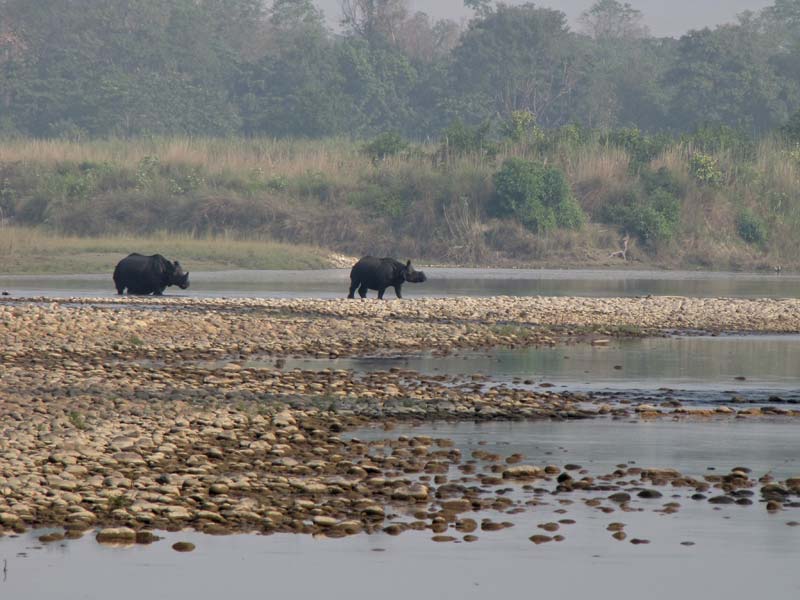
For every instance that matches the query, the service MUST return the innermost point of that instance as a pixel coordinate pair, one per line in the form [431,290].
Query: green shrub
[641,148]
[663,180]
[651,212]
[460,139]
[536,195]
[521,125]
[386,144]
[705,169]
[642,221]
[714,138]
[751,228]
[791,131]
[311,183]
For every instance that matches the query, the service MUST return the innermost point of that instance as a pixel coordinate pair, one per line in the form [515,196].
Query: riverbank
[31,251]
[429,204]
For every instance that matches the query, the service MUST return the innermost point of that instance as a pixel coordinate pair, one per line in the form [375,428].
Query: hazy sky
[664,17]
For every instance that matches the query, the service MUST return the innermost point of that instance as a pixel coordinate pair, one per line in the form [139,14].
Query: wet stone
[183,546]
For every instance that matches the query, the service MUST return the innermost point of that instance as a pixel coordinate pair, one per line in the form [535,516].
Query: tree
[295,88]
[609,19]
[13,52]
[374,20]
[425,41]
[722,76]
[516,58]
[482,8]
[622,86]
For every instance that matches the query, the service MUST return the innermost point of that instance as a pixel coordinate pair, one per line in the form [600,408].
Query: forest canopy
[96,68]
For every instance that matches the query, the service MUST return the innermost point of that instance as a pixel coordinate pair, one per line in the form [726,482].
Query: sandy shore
[108,420]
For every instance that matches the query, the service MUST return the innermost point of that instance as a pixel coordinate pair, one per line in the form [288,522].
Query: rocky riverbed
[109,421]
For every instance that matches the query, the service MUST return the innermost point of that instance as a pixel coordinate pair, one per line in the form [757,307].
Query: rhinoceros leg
[352,292]
[397,290]
[381,291]
[362,291]
[159,291]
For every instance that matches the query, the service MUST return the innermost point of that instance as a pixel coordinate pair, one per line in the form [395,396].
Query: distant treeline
[97,68]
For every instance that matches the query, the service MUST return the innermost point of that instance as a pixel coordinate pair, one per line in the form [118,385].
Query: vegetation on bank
[38,251]
[712,199]
[510,139]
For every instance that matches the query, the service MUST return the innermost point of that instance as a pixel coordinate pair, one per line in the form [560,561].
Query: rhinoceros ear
[408,264]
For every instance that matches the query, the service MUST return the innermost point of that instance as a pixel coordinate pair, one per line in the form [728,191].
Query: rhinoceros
[380,273]
[148,274]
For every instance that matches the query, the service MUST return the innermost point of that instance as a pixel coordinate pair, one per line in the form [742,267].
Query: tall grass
[220,193]
[332,156]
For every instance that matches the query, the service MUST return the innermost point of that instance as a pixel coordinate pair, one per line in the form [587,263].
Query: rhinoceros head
[179,277]
[412,275]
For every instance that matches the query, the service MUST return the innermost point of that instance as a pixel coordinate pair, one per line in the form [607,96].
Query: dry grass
[238,155]
[596,162]
[29,251]
[330,193]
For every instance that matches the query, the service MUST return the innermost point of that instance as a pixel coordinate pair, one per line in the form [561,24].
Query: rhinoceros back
[142,274]
[376,272]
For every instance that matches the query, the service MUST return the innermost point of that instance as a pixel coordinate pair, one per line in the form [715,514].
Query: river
[442,282]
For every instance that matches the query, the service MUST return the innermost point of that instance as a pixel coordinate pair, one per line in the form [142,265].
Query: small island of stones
[123,418]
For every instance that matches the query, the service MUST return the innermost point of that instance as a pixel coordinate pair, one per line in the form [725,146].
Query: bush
[751,228]
[386,144]
[536,195]
[705,169]
[712,138]
[641,148]
[460,139]
[791,131]
[650,212]
[661,180]
[521,125]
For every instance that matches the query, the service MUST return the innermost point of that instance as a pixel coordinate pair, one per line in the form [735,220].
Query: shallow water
[333,283]
[739,552]
[693,368]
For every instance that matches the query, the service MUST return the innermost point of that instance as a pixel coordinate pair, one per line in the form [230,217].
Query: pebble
[177,429]
[183,546]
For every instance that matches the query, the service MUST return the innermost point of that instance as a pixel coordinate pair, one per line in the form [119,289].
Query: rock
[116,535]
[540,539]
[522,472]
[649,494]
[721,500]
[415,491]
[146,537]
[620,497]
[9,519]
[218,489]
[457,506]
[183,546]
